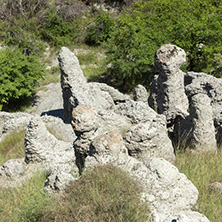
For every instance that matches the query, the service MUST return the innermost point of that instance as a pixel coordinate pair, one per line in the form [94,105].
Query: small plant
[12,146]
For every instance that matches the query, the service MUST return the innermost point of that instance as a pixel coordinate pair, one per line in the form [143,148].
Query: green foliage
[19,75]
[195,26]
[104,194]
[99,31]
[56,31]
[202,169]
[26,203]
[12,146]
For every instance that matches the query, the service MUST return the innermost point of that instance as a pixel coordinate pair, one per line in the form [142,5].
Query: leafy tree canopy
[194,25]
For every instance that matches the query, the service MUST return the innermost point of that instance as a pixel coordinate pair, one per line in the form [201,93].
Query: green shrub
[19,75]
[99,31]
[105,193]
[56,31]
[195,26]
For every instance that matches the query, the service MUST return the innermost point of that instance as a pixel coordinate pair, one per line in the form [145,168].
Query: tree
[18,75]
[195,26]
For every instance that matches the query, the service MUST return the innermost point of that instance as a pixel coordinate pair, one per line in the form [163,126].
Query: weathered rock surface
[187,216]
[168,88]
[61,130]
[54,155]
[140,94]
[206,84]
[149,139]
[203,131]
[170,91]
[10,122]
[75,88]
[48,101]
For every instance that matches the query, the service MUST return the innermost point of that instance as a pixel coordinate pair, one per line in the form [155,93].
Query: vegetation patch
[26,203]
[12,146]
[105,193]
[202,169]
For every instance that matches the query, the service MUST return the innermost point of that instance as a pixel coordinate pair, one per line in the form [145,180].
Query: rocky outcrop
[10,122]
[203,131]
[168,89]
[212,87]
[55,156]
[145,141]
[75,88]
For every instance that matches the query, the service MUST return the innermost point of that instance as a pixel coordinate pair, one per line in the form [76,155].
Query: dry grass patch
[104,194]
[203,169]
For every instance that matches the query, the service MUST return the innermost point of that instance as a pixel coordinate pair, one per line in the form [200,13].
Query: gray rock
[149,139]
[206,84]
[137,112]
[13,167]
[140,94]
[166,191]
[10,122]
[61,130]
[216,187]
[168,88]
[54,155]
[203,131]
[75,88]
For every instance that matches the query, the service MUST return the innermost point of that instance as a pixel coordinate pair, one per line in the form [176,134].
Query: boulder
[166,191]
[55,156]
[187,216]
[10,122]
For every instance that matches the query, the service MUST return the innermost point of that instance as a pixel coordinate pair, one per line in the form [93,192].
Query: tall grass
[12,146]
[202,169]
[26,203]
[104,194]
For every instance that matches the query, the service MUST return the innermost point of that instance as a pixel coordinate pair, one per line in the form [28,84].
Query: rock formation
[172,89]
[169,92]
[109,127]
[203,131]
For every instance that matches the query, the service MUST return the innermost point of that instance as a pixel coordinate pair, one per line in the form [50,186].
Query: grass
[203,169]
[12,146]
[26,203]
[104,194]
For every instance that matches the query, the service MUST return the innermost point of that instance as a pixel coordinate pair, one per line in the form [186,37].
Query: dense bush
[19,75]
[195,26]
[99,31]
